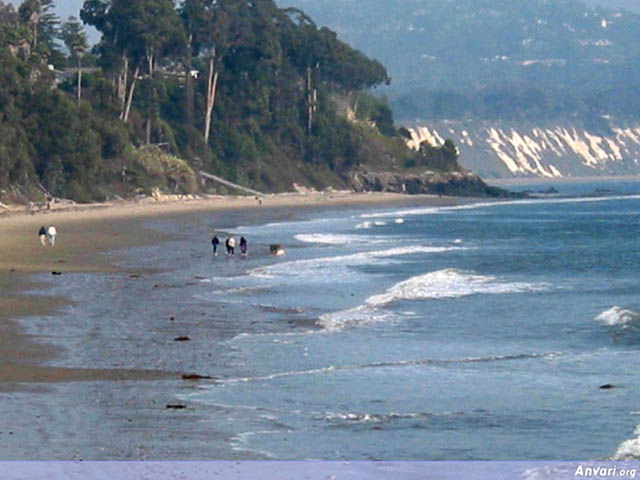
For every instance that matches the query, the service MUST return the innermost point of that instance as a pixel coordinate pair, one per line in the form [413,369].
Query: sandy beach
[61,396]
[86,233]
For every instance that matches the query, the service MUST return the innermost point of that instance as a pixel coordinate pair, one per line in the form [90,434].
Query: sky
[65,8]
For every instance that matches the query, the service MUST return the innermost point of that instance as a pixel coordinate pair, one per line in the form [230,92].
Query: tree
[76,41]
[320,57]
[139,31]
[38,14]
[219,30]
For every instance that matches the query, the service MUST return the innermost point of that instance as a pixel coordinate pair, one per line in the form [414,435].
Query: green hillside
[242,89]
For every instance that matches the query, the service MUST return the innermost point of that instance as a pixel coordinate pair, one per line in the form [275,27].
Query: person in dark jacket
[42,233]
[215,241]
[243,246]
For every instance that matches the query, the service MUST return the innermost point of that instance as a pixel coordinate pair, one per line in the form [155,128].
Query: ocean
[482,331]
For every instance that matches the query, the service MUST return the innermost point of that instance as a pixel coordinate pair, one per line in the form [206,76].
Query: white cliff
[517,150]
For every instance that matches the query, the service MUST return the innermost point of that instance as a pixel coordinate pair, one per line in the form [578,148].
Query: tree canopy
[240,88]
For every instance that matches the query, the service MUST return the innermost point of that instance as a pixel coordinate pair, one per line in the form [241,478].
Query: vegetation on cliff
[252,92]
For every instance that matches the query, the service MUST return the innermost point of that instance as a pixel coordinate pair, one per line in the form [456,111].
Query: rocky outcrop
[457,183]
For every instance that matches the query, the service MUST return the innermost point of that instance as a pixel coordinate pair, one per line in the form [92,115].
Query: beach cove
[394,328]
[88,238]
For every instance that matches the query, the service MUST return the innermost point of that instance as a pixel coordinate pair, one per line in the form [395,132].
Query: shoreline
[88,236]
[520,181]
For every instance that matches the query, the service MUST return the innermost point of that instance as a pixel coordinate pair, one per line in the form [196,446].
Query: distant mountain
[528,88]
[495,58]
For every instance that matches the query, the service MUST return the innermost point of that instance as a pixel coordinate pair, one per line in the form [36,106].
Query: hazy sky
[72,7]
[65,8]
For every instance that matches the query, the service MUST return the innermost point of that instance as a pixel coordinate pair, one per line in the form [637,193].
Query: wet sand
[85,234]
[92,411]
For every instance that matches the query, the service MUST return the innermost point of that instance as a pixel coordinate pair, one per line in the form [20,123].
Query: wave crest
[449,283]
[629,449]
[332,239]
[321,267]
[618,316]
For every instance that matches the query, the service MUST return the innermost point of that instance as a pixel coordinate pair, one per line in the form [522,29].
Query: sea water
[481,331]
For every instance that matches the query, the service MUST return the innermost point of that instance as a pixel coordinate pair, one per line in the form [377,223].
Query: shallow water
[477,332]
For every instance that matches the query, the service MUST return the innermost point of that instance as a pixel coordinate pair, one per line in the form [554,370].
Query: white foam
[371,417]
[449,283]
[361,315]
[320,267]
[368,224]
[279,375]
[333,239]
[618,316]
[428,210]
[629,449]
[472,206]
[399,221]
[279,226]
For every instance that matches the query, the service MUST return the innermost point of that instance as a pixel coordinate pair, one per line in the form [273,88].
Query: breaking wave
[618,316]
[450,283]
[319,267]
[334,239]
[629,449]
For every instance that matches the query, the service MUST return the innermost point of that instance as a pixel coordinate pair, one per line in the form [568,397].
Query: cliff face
[457,183]
[513,149]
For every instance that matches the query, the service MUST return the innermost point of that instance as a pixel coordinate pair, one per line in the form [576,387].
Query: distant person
[243,246]
[51,235]
[231,246]
[42,233]
[215,241]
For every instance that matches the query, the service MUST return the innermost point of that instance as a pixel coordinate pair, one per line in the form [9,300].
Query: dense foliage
[496,59]
[243,89]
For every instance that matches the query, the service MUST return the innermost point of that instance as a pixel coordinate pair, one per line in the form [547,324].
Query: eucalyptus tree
[141,32]
[76,41]
[40,17]
[8,14]
[217,29]
[322,59]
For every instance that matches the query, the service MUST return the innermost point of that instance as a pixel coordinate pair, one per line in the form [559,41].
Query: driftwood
[230,184]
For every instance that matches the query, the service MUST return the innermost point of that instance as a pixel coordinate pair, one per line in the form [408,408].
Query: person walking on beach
[51,235]
[215,241]
[231,246]
[42,233]
[243,246]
